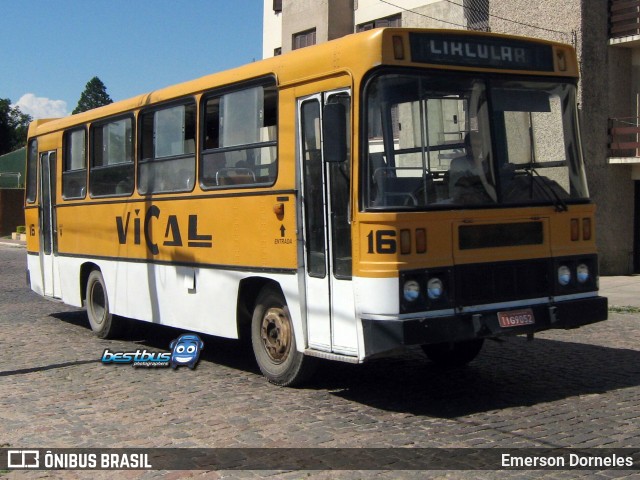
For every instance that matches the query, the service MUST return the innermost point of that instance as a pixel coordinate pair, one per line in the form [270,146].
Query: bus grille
[501,282]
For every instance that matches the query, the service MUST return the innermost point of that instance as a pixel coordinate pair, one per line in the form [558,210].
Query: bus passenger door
[326,231]
[48,224]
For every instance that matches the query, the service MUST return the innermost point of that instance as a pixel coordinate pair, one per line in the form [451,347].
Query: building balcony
[624,23]
[624,140]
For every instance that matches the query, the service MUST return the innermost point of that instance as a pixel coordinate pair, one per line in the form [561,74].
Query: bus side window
[240,138]
[167,157]
[32,171]
[74,169]
[112,169]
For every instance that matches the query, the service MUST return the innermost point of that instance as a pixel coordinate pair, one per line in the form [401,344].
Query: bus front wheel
[274,343]
[100,318]
[453,354]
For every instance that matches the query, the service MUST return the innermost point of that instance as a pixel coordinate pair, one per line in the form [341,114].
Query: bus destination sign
[480,51]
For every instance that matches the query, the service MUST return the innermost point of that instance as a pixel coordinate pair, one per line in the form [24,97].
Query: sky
[50,49]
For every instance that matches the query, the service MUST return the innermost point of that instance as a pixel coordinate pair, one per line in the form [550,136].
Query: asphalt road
[578,388]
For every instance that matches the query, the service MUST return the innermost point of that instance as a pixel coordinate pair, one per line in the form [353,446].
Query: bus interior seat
[124,186]
[459,168]
[184,180]
[391,190]
[395,191]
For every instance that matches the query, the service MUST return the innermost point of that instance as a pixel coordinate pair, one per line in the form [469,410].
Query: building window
[277,51]
[304,39]
[477,14]
[392,21]
[277,6]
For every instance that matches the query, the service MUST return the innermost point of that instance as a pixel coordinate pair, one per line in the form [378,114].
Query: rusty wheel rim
[275,333]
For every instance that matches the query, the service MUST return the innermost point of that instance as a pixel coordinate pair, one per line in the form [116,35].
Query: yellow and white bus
[394,187]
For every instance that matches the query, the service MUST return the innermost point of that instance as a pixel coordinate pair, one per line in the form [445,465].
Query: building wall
[428,15]
[341,18]
[415,13]
[368,10]
[11,210]
[304,15]
[271,29]
[609,86]
[331,19]
[336,18]
[604,91]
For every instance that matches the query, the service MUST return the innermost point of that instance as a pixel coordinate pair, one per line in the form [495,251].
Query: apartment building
[606,35]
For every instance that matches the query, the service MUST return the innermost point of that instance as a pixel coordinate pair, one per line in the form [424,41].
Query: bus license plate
[516,318]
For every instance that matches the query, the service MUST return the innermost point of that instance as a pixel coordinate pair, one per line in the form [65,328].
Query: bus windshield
[444,141]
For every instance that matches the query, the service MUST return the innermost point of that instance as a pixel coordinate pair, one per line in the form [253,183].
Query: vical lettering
[173,237]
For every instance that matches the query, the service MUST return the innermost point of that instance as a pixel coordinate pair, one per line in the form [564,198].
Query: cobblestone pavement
[577,388]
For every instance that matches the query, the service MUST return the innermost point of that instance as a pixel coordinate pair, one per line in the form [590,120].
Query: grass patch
[626,309]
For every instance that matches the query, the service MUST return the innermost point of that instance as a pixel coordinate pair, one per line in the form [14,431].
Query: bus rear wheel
[453,354]
[274,343]
[102,322]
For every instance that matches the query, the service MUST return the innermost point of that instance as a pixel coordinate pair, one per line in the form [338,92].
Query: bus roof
[355,53]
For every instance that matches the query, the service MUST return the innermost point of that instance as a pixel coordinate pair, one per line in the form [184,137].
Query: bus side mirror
[334,132]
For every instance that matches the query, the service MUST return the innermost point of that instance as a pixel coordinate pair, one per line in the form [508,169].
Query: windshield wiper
[552,195]
[549,191]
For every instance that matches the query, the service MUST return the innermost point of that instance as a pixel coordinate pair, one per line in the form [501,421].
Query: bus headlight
[435,288]
[423,290]
[411,290]
[582,273]
[564,275]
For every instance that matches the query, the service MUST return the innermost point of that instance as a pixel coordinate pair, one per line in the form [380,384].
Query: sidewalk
[622,291]
[12,243]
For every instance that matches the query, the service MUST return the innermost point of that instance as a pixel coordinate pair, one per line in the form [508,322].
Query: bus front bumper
[381,335]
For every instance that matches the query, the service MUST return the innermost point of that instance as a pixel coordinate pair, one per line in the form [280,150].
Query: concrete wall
[368,10]
[301,15]
[340,18]
[428,15]
[331,19]
[606,79]
[271,29]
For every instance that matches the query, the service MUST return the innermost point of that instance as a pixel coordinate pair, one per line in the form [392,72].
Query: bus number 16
[382,241]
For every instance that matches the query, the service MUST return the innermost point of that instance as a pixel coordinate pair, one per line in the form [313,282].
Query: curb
[15,244]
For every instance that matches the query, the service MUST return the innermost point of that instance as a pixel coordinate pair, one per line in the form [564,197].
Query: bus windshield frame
[458,140]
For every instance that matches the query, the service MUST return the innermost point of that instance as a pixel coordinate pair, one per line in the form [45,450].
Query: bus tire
[274,343]
[453,354]
[102,322]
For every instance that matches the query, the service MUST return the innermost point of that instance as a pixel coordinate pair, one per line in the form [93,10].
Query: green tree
[13,127]
[95,95]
